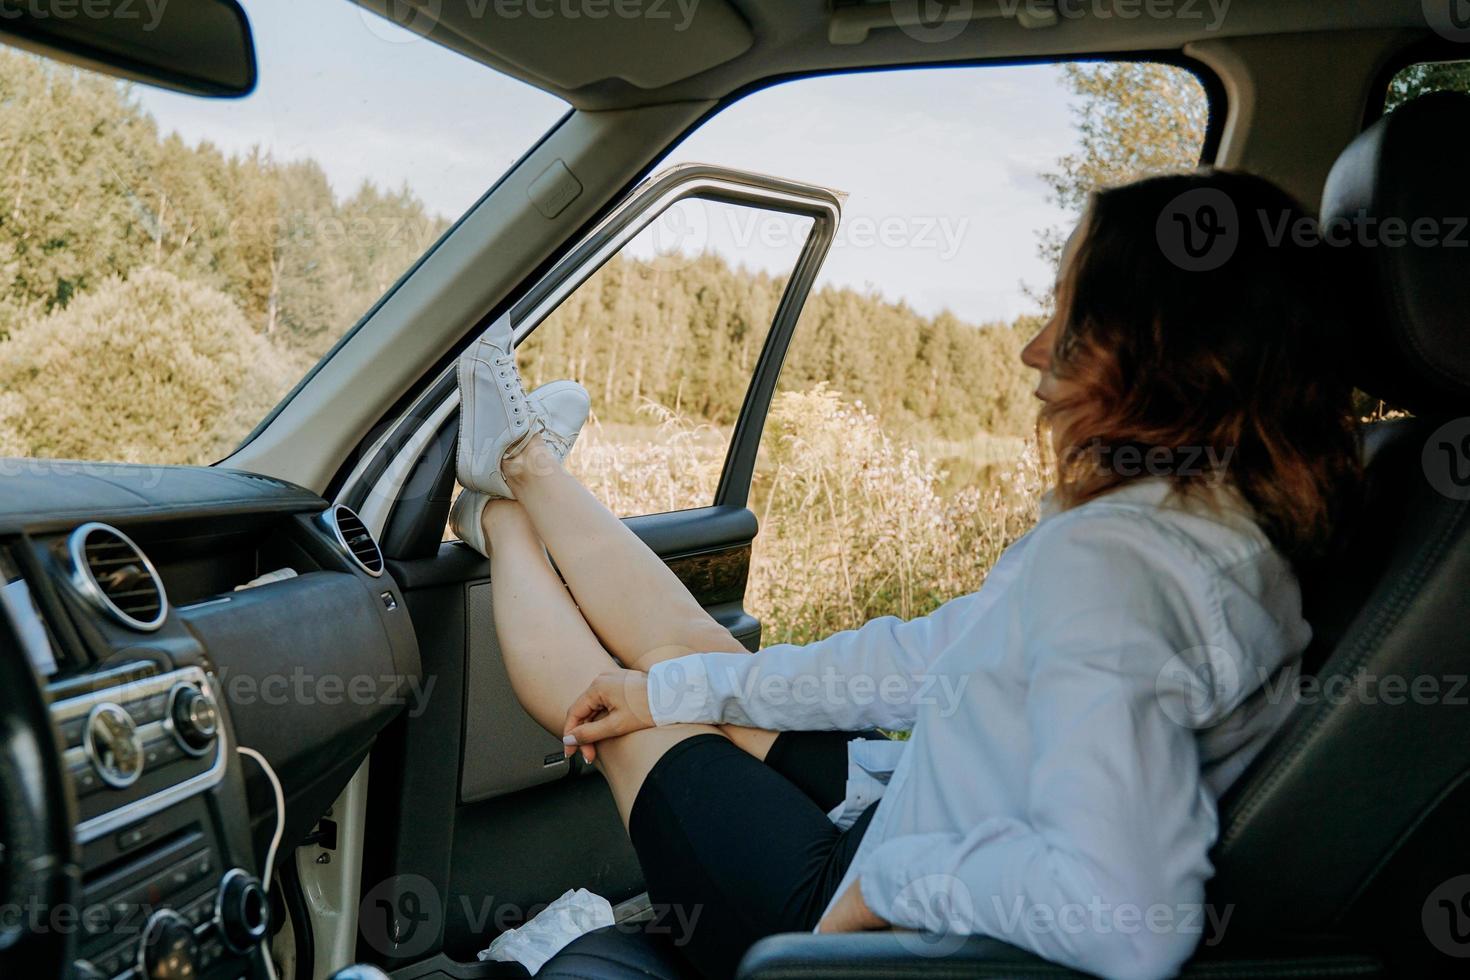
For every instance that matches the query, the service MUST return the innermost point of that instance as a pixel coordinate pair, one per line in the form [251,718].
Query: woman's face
[1039,352]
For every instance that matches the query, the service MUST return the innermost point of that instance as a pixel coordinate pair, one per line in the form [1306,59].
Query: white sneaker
[564,406]
[495,416]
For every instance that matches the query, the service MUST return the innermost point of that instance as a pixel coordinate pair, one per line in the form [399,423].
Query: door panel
[708,549]
[472,800]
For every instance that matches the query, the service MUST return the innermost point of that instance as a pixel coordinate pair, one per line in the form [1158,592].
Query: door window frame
[374,486]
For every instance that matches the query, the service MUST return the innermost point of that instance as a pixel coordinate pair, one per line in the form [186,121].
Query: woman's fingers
[588,705]
[603,711]
[610,725]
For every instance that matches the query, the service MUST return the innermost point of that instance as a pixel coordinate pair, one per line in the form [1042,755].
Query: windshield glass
[171,266]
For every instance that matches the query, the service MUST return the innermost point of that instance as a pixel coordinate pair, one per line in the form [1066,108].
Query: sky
[941,167]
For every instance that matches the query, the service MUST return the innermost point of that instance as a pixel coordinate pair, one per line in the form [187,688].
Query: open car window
[173,265]
[1423,77]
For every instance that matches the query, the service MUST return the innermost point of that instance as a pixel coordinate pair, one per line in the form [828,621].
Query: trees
[1134,118]
[96,205]
[151,368]
[686,335]
[1431,76]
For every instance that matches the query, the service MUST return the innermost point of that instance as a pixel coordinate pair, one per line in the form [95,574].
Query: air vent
[353,535]
[116,576]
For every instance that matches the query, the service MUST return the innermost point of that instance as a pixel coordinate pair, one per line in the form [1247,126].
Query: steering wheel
[39,871]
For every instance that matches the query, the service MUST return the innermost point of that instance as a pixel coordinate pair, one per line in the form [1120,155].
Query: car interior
[203,832]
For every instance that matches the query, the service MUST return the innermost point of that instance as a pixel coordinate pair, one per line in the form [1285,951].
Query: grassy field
[855,522]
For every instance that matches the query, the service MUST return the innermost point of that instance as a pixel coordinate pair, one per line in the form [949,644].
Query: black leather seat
[1339,849]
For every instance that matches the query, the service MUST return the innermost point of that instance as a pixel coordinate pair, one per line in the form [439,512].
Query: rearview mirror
[201,47]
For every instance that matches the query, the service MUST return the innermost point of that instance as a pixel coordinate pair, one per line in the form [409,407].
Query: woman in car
[1070,725]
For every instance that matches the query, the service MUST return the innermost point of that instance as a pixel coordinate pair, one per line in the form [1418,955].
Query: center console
[168,888]
[209,643]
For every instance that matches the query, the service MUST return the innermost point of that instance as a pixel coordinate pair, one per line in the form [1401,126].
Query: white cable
[270,854]
[270,774]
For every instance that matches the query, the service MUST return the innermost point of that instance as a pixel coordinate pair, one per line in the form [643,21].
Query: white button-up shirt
[1072,724]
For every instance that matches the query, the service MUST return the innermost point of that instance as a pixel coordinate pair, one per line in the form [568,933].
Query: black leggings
[735,849]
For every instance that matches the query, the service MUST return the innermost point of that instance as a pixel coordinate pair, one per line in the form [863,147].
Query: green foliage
[1134,118]
[686,335]
[1429,76]
[151,368]
[92,195]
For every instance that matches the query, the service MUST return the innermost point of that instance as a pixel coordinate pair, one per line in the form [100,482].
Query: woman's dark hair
[1194,313]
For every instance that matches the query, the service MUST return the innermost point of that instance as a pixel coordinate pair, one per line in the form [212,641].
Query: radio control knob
[194,718]
[113,746]
[169,950]
[242,911]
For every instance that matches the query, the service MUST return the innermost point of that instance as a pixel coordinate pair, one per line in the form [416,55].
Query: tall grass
[854,522]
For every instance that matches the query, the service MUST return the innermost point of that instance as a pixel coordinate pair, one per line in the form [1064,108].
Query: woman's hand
[615,704]
[851,913]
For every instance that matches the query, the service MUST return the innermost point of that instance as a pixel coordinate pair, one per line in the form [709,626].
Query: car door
[475,817]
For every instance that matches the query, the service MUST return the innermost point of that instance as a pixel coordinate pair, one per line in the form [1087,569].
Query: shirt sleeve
[1106,871]
[853,680]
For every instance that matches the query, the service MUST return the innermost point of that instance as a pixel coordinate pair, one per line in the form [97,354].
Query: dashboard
[174,616]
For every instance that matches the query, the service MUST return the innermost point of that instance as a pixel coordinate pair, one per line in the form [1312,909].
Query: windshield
[171,266]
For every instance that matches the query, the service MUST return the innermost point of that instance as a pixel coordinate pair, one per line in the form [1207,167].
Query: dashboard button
[242,911]
[193,717]
[169,950]
[133,836]
[85,778]
[112,745]
[71,731]
[151,709]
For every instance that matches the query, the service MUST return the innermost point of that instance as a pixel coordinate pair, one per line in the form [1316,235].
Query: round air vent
[116,576]
[353,535]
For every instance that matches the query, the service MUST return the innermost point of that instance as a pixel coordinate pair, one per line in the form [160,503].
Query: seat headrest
[1400,192]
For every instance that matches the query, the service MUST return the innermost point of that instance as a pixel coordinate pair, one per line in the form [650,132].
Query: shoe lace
[557,442]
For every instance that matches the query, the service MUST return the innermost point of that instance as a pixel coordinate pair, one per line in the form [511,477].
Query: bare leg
[630,598]
[637,607]
[551,655]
